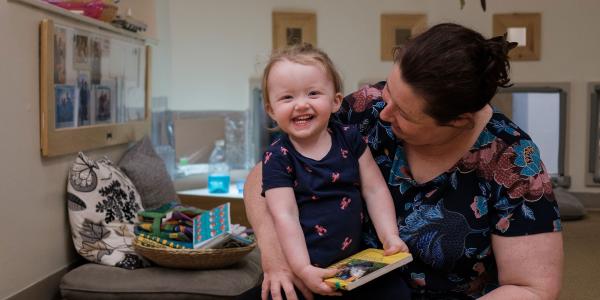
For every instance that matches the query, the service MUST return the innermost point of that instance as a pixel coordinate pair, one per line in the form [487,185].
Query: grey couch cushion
[148,173]
[570,207]
[93,281]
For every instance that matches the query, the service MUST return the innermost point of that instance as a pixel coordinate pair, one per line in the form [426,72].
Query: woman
[473,200]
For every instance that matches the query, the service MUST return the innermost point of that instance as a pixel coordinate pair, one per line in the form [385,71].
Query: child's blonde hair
[304,54]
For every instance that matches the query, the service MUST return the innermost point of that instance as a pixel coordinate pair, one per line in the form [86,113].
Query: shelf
[87,20]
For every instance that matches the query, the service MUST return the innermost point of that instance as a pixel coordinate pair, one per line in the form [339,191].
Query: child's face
[302,98]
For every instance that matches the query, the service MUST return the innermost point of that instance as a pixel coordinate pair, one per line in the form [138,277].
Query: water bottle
[218,170]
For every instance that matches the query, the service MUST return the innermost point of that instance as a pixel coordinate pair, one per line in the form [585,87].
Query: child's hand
[394,244]
[313,279]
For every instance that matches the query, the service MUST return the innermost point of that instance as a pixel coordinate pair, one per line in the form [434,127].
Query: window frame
[561,179]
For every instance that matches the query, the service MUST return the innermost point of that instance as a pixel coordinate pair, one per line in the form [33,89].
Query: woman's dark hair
[455,69]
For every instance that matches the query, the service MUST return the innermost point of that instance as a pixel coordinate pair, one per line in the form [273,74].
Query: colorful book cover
[365,266]
[211,227]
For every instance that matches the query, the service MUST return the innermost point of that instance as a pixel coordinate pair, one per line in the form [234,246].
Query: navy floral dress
[499,187]
[330,205]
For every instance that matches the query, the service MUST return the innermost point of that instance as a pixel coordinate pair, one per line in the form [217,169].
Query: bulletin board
[94,88]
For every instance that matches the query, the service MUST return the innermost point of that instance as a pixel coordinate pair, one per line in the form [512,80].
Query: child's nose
[302,103]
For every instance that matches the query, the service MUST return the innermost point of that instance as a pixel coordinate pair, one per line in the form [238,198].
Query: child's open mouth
[302,120]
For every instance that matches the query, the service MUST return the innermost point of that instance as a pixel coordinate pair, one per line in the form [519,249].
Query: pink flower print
[346,243]
[345,202]
[479,268]
[268,156]
[320,230]
[430,192]
[295,183]
[363,97]
[275,142]
[289,169]
[503,223]
[283,150]
[314,197]
[479,206]
[418,278]
[307,168]
[344,153]
[345,128]
[531,187]
[335,176]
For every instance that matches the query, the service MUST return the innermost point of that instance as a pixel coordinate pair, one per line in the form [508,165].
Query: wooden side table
[201,198]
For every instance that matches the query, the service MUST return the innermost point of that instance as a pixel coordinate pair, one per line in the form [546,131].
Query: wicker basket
[192,258]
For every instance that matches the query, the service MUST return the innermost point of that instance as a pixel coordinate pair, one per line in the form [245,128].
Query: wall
[36,242]
[218,45]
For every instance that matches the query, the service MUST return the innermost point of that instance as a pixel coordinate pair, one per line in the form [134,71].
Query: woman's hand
[393,244]
[313,279]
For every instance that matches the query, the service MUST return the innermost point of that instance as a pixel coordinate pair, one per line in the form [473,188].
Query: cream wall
[36,239]
[218,45]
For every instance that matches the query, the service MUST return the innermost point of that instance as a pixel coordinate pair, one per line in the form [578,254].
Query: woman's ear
[337,102]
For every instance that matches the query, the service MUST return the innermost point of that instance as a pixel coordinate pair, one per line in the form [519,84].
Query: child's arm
[380,204]
[282,205]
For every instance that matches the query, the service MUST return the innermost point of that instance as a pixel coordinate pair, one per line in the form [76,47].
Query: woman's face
[404,110]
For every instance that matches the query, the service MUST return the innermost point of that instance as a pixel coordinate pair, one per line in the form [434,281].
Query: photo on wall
[104,112]
[81,52]
[96,55]
[60,54]
[84,106]
[65,106]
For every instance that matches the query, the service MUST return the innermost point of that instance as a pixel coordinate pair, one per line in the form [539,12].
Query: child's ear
[337,102]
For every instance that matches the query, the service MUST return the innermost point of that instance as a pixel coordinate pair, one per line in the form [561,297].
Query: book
[365,266]
[212,228]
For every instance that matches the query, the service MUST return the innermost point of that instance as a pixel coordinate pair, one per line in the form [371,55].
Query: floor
[582,258]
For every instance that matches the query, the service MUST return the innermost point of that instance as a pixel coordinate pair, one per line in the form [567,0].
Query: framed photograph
[81,52]
[80,89]
[95,59]
[291,28]
[104,111]
[397,29]
[83,103]
[525,30]
[65,106]
[60,56]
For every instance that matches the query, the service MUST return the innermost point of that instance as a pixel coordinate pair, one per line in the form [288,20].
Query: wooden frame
[531,24]
[108,118]
[396,29]
[291,28]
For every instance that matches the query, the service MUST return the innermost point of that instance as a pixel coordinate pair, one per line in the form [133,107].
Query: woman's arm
[277,273]
[529,267]
[282,206]
[380,204]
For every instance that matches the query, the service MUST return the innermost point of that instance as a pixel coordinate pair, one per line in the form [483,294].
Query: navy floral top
[499,187]
[327,191]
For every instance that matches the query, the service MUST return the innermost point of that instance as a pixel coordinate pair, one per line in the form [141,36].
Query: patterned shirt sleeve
[277,170]
[362,107]
[523,202]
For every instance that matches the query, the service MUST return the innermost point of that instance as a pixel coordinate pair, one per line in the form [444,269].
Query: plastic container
[218,170]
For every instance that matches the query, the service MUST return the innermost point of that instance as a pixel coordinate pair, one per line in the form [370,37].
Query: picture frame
[291,28]
[523,28]
[397,29]
[82,77]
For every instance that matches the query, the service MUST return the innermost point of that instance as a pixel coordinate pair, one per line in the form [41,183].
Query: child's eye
[286,97]
[313,93]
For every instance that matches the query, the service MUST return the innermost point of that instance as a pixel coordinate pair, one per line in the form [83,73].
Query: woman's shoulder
[504,129]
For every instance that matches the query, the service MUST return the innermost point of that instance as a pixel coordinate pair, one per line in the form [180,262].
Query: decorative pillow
[148,173]
[102,205]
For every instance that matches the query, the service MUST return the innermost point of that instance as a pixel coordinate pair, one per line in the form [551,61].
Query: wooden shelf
[87,20]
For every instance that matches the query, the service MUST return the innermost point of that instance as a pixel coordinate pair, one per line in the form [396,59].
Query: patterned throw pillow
[103,204]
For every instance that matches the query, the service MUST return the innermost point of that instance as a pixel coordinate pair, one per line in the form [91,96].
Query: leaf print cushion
[103,204]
